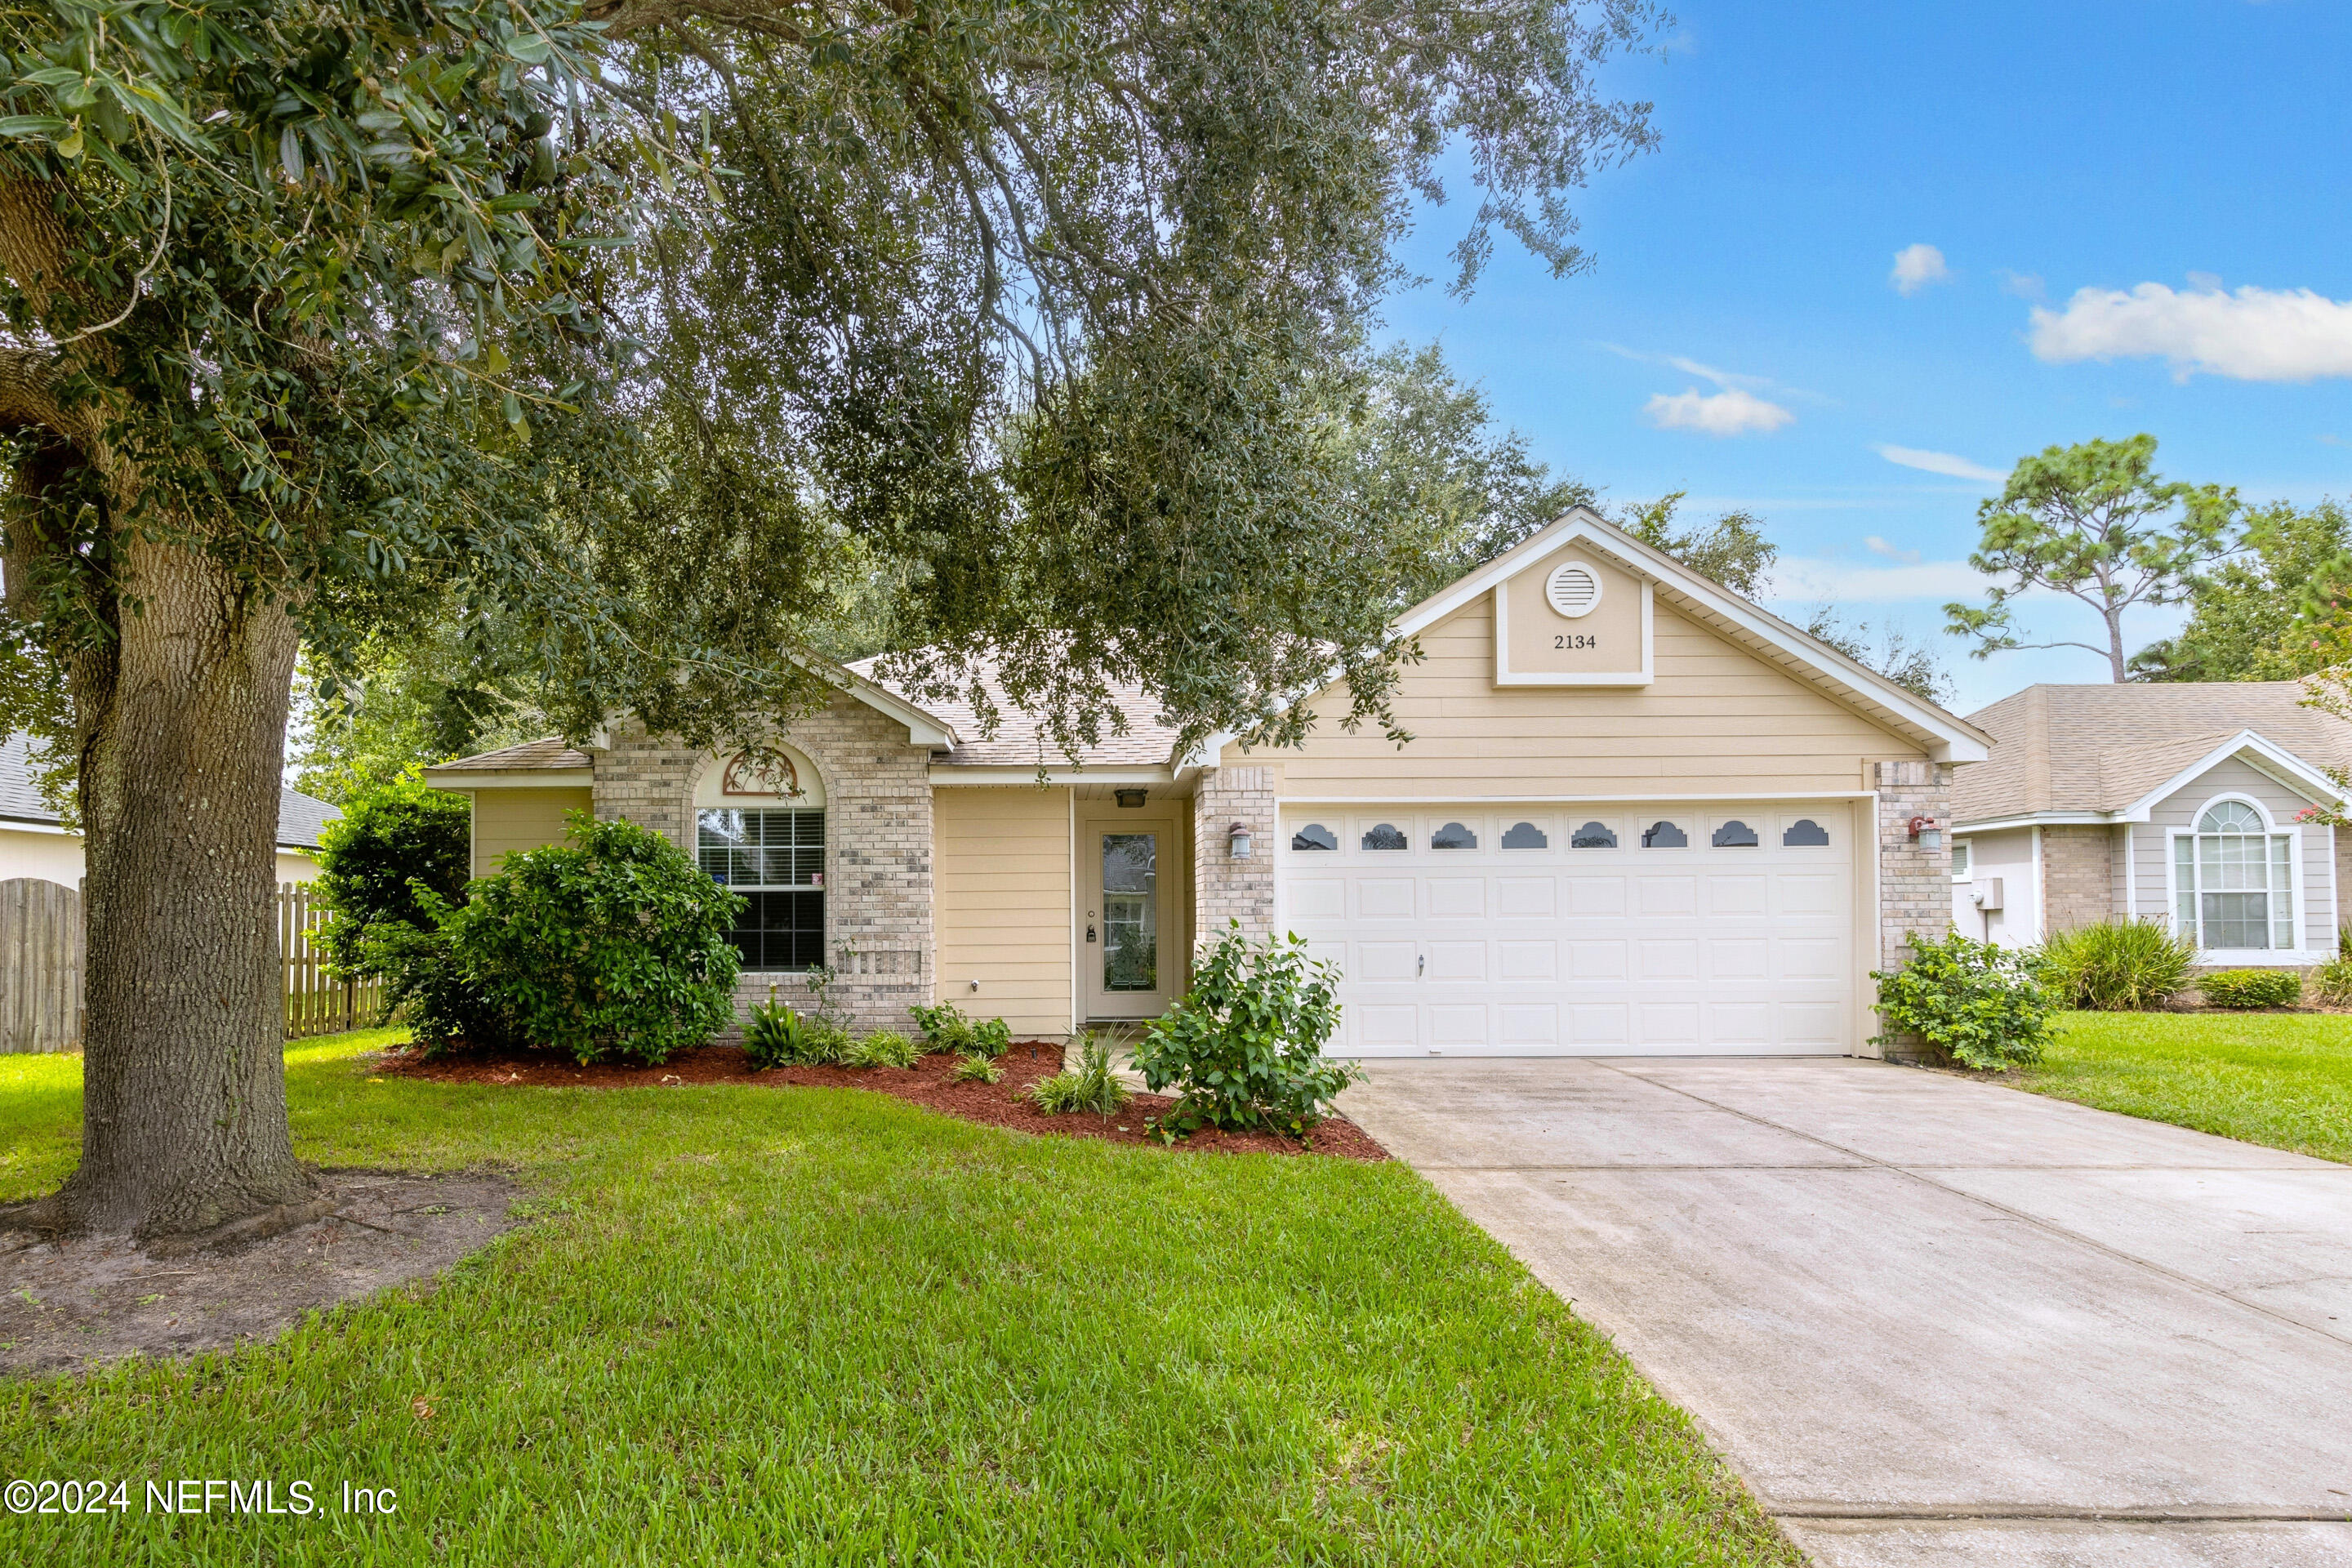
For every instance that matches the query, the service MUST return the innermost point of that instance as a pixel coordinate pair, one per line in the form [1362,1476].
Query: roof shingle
[2099,748]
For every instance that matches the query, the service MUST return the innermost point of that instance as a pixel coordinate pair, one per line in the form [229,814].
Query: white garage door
[1662,929]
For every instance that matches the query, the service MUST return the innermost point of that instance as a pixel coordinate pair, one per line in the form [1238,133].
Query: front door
[1126,959]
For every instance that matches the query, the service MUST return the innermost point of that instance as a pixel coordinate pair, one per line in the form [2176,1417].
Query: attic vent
[1573,590]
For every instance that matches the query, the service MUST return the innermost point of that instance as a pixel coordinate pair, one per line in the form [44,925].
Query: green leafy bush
[2252,987]
[992,1038]
[1979,1001]
[395,847]
[2116,965]
[2331,983]
[612,948]
[973,1068]
[777,1037]
[944,1026]
[1090,1085]
[428,984]
[1243,1049]
[882,1048]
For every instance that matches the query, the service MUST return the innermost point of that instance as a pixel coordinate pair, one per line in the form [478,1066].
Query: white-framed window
[775,859]
[2233,881]
[1963,855]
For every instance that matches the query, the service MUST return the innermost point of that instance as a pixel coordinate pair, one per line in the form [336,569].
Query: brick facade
[877,863]
[1914,885]
[1225,888]
[2078,875]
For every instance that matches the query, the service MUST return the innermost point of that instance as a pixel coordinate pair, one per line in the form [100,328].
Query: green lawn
[807,1325]
[2280,1078]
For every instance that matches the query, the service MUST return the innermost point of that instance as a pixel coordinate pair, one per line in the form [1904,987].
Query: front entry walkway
[1931,1321]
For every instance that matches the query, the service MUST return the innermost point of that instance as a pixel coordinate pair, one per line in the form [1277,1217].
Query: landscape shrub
[2331,983]
[1243,1049]
[2252,987]
[1979,1001]
[2116,965]
[973,1068]
[613,947]
[426,984]
[944,1026]
[777,1037]
[395,846]
[882,1048]
[1090,1085]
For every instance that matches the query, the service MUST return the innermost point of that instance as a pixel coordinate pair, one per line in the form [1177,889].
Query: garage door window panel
[1313,837]
[1385,837]
[1593,836]
[1453,836]
[1663,834]
[1526,836]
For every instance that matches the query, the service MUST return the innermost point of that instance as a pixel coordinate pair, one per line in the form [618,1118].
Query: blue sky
[1745,279]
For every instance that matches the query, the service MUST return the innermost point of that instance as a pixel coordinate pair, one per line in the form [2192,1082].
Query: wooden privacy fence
[315,1003]
[42,957]
[40,965]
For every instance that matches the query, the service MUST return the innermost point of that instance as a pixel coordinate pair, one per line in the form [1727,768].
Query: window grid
[2233,885]
[775,859]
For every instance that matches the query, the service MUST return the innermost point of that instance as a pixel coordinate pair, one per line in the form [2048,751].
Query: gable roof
[300,816]
[1793,651]
[1021,739]
[2107,750]
[553,754]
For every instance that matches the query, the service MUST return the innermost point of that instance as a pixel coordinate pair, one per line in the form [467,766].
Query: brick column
[1914,885]
[1225,888]
[2078,875]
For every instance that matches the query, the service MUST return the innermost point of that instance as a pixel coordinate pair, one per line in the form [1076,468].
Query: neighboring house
[1637,814]
[2175,801]
[32,844]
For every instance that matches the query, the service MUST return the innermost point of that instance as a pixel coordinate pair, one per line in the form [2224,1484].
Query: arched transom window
[2233,881]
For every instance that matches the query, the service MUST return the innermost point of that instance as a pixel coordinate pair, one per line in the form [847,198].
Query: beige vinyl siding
[1716,721]
[506,820]
[1001,876]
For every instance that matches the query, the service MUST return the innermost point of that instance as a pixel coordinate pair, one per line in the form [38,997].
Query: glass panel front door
[1130,894]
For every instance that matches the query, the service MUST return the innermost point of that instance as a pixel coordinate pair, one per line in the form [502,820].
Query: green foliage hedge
[395,848]
[1978,1002]
[612,948]
[1243,1049]
[2252,987]
[2116,965]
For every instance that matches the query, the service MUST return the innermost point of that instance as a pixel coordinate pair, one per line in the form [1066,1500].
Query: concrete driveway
[1932,1321]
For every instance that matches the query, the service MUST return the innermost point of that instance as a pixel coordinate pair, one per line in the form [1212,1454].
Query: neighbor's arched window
[2233,881]
[1315,835]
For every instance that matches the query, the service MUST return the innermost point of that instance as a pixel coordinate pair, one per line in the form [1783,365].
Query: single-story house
[33,843]
[1637,813]
[2176,801]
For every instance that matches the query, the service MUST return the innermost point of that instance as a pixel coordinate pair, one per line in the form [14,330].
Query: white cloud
[1878,546]
[1915,266]
[2024,285]
[1816,581]
[2254,334]
[1939,463]
[1731,412]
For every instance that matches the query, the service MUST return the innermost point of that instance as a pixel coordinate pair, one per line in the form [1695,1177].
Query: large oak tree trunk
[182,730]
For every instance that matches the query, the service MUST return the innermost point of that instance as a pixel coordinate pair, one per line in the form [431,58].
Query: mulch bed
[925,1084]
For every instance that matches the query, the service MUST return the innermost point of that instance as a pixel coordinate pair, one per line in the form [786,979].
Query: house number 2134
[1575,641]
